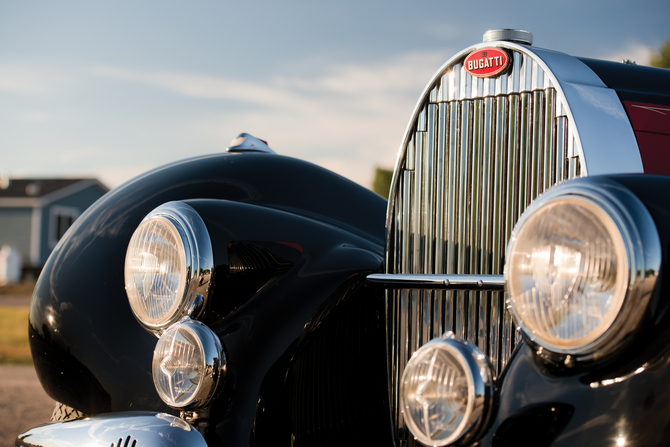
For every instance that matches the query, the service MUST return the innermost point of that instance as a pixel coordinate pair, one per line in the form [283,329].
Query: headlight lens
[155,271]
[568,273]
[168,266]
[581,266]
[188,365]
[446,391]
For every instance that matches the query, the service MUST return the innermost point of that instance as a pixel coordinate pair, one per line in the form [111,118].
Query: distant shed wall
[15,225]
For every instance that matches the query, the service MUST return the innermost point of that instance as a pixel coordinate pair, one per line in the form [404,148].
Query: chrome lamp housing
[581,266]
[447,391]
[188,365]
[168,267]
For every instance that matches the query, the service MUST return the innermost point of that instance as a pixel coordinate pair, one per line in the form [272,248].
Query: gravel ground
[23,402]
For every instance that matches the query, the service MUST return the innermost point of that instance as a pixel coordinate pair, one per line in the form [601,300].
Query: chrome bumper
[131,429]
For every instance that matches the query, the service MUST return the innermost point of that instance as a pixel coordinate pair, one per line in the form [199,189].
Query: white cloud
[114,176]
[35,116]
[199,86]
[637,52]
[349,118]
[29,80]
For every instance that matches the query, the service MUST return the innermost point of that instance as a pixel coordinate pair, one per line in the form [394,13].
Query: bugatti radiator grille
[479,152]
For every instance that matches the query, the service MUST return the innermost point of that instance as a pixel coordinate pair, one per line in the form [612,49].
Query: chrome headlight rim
[643,252]
[214,365]
[481,390]
[199,259]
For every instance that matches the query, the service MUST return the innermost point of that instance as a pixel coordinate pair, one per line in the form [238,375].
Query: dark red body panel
[651,123]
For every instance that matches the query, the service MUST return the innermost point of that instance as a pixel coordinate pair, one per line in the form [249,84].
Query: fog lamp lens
[568,274]
[446,391]
[188,364]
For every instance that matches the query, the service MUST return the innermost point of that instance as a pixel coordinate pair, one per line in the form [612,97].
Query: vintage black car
[511,291]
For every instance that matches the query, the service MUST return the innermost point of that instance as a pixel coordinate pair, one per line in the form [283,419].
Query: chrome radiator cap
[509,35]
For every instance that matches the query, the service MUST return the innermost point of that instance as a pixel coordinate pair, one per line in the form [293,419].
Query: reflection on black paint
[77,386]
[535,426]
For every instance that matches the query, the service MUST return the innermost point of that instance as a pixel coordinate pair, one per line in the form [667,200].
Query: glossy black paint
[636,83]
[624,397]
[308,235]
[306,272]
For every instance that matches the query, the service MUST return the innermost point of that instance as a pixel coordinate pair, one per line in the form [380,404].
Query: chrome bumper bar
[436,282]
[131,429]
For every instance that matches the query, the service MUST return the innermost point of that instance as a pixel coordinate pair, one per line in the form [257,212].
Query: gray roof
[40,187]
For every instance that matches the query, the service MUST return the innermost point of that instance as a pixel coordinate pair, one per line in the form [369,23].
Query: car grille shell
[475,156]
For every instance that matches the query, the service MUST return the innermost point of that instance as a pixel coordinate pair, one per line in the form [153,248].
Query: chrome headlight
[188,365]
[581,264]
[168,266]
[446,391]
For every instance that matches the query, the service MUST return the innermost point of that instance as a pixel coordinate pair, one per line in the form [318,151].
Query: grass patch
[14,346]
[22,288]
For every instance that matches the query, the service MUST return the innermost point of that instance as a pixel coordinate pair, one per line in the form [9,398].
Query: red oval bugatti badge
[486,62]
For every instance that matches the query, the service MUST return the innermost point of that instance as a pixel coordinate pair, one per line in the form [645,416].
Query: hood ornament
[245,142]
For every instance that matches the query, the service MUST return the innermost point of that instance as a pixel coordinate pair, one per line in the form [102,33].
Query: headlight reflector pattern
[188,365]
[446,391]
[581,266]
[156,270]
[168,267]
[568,273]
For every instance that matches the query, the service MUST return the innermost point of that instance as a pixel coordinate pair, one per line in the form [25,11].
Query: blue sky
[111,89]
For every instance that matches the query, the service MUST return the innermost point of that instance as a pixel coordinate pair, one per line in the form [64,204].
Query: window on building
[61,218]
[62,224]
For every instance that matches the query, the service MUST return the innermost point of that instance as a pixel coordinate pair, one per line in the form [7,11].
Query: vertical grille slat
[536,145]
[497,224]
[561,136]
[524,162]
[462,225]
[475,216]
[452,176]
[479,152]
[440,221]
[549,139]
[514,171]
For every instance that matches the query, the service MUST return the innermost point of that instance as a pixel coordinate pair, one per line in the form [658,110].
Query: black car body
[315,308]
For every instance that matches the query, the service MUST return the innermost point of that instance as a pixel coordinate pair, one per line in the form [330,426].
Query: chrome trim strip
[140,428]
[436,281]
[605,138]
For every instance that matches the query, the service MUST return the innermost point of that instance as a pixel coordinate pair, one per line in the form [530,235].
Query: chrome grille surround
[475,154]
